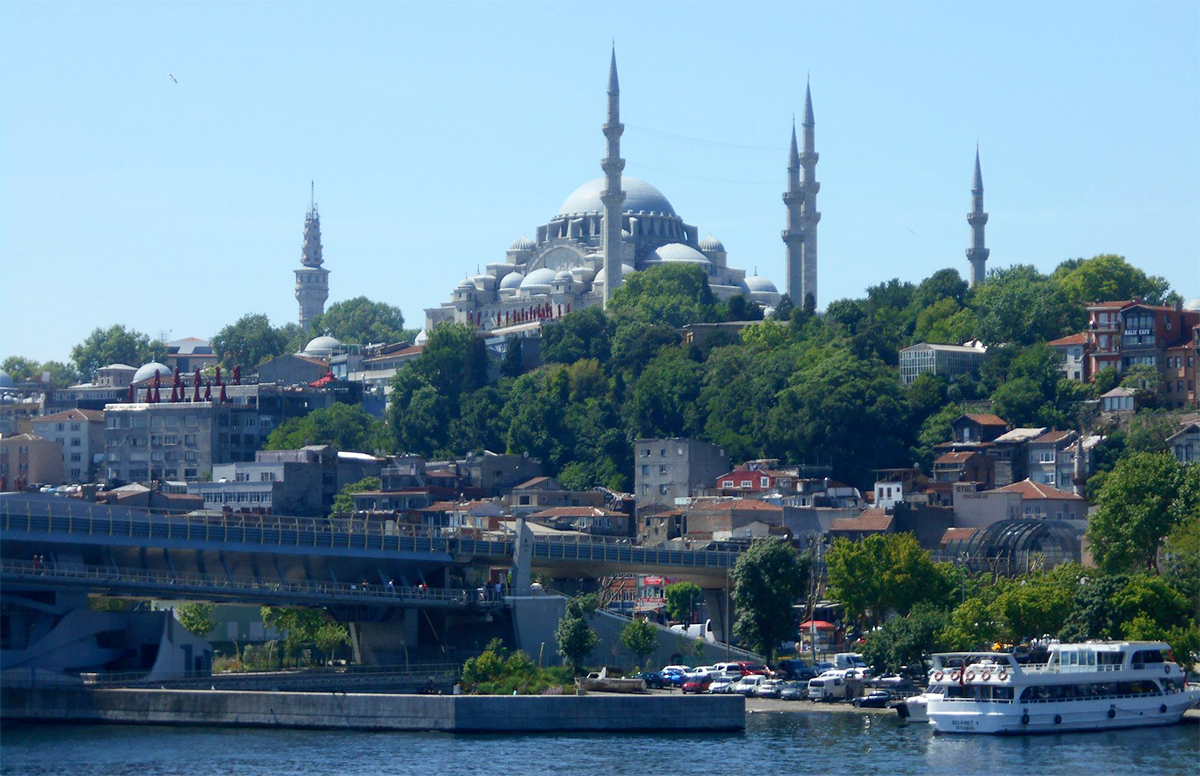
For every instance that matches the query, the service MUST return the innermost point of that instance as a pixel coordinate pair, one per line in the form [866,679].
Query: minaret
[793,236]
[810,216]
[977,254]
[612,196]
[312,280]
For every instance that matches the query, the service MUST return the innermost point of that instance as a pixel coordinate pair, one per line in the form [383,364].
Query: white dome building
[147,371]
[6,380]
[321,347]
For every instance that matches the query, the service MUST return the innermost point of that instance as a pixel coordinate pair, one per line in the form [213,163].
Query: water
[813,742]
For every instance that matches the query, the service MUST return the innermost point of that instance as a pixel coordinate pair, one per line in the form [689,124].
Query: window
[74,426]
[76,457]
[662,453]
[266,477]
[76,442]
[646,452]
[189,439]
[662,470]
[191,456]
[645,469]
[662,490]
[727,483]
[764,481]
[645,490]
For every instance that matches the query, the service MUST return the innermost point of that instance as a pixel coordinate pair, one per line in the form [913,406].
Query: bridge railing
[163,583]
[609,549]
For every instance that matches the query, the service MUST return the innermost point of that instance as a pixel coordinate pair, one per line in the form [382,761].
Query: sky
[436,134]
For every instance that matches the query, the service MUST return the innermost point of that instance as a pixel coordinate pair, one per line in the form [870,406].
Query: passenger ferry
[1089,686]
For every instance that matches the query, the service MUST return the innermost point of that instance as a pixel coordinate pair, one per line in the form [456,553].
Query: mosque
[576,260]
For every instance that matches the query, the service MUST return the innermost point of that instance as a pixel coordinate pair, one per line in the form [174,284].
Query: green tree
[1136,510]
[907,642]
[1145,381]
[767,580]
[1182,550]
[884,573]
[582,334]
[343,503]
[361,321]
[299,627]
[640,638]
[195,618]
[972,625]
[513,364]
[670,294]
[1093,614]
[347,427]
[20,368]
[328,636]
[115,345]
[683,598]
[665,397]
[574,637]
[1020,305]
[1108,277]
[1149,595]
[1106,379]
[248,342]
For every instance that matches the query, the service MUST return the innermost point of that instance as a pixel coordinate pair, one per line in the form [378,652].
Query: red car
[698,685]
[752,668]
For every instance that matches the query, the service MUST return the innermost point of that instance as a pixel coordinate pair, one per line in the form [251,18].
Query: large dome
[678,253]
[6,380]
[321,346]
[761,284]
[539,277]
[146,371]
[512,280]
[640,197]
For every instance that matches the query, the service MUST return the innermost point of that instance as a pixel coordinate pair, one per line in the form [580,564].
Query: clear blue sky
[437,134]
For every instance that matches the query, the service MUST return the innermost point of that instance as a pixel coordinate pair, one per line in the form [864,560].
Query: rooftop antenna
[312,194]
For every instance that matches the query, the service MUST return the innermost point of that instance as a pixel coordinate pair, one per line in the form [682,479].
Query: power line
[703,142]
[639,165]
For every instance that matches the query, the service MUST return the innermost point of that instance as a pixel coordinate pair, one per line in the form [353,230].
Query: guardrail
[413,675]
[164,583]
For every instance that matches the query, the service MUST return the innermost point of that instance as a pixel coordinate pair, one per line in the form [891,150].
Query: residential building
[111,384]
[1185,444]
[542,493]
[670,469]
[178,441]
[292,369]
[756,476]
[1072,349]
[870,523]
[1050,463]
[81,434]
[1118,401]
[964,466]
[1125,334]
[892,485]
[27,460]
[715,516]
[17,415]
[1179,372]
[585,519]
[1044,502]
[189,354]
[950,361]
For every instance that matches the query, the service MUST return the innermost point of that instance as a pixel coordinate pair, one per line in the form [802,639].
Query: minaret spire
[612,196]
[809,215]
[793,235]
[978,253]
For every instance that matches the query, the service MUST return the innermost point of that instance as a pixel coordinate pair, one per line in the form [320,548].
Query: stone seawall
[363,711]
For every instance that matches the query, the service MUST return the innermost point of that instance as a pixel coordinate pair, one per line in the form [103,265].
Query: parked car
[829,686]
[748,684]
[697,684]
[795,669]
[674,676]
[653,679]
[793,691]
[727,671]
[822,666]
[876,699]
[721,686]
[752,668]
[768,689]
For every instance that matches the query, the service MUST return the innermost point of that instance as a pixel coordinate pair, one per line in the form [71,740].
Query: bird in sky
[912,231]
[172,77]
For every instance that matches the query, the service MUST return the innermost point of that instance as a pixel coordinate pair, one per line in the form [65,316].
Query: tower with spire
[977,254]
[312,280]
[809,215]
[793,236]
[612,197]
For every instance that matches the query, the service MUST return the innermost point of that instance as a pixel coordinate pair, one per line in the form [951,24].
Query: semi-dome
[602,275]
[564,277]
[146,371]
[1194,304]
[640,197]
[760,284]
[512,280]
[321,346]
[680,254]
[6,380]
[711,244]
[522,243]
[539,277]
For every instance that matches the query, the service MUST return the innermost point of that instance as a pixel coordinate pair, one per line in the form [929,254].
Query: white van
[698,631]
[829,686]
[844,660]
[727,671]
[748,684]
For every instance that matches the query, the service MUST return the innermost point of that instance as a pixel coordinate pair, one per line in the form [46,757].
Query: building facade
[26,460]
[669,469]
[950,361]
[81,435]
[177,441]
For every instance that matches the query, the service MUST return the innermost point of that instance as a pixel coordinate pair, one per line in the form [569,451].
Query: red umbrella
[157,397]
[218,375]
[149,395]
[129,395]
[196,377]
[196,391]
[222,398]
[237,375]
[175,374]
[208,390]
[156,378]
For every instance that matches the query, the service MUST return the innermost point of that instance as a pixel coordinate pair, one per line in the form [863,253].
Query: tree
[1020,305]
[582,334]
[248,342]
[1136,511]
[665,397]
[670,294]
[195,618]
[884,573]
[115,345]
[1151,596]
[1182,551]
[574,637]
[1107,277]
[906,642]
[513,364]
[1145,381]
[682,600]
[347,427]
[20,368]
[343,503]
[299,626]
[640,638]
[361,321]
[328,636]
[767,580]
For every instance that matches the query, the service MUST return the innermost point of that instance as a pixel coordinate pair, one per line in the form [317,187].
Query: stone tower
[977,254]
[612,196]
[793,236]
[312,280]
[810,216]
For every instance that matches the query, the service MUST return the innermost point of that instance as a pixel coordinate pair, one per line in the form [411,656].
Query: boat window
[1145,656]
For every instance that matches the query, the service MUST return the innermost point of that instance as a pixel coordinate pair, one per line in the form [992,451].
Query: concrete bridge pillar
[522,559]
[718,606]
[385,643]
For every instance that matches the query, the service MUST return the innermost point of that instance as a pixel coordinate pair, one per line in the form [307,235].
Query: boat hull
[1077,716]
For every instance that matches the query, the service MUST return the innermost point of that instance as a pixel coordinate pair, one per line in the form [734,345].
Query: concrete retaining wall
[444,713]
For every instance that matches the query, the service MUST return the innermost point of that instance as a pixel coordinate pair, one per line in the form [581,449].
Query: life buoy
[1112,711]
[970,676]
[1162,709]
[937,676]
[986,675]
[955,674]
[1002,674]
[1057,719]
[1167,669]
[1025,717]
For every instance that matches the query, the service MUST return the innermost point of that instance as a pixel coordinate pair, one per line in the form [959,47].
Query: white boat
[914,709]
[1089,686]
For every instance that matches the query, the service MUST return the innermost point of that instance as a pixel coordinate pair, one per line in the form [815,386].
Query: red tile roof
[1070,339]
[740,503]
[1051,436]
[1032,491]
[987,419]
[957,533]
[531,483]
[577,512]
[871,520]
[954,457]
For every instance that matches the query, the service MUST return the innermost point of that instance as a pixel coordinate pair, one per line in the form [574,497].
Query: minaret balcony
[793,234]
[793,197]
[612,165]
[977,218]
